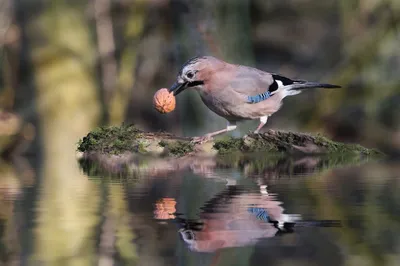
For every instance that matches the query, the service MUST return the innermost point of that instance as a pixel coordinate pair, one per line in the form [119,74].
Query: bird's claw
[201,140]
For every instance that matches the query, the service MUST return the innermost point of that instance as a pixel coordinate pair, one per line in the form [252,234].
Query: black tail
[300,84]
[290,226]
[312,85]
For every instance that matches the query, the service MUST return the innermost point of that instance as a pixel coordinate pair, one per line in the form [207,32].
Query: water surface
[290,213]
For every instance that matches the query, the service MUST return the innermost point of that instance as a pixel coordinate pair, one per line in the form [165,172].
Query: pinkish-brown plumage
[235,218]
[238,92]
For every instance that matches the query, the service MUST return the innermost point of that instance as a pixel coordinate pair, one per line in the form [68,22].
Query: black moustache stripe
[195,83]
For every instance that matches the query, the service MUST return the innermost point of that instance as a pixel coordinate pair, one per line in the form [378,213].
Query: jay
[237,92]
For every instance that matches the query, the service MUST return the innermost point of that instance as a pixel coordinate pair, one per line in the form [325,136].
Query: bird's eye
[190,75]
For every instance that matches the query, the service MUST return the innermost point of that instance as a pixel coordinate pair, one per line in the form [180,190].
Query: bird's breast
[222,104]
[214,102]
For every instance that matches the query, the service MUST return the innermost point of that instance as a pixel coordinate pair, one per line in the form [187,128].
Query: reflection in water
[261,165]
[269,210]
[15,175]
[234,218]
[218,207]
[165,209]
[239,217]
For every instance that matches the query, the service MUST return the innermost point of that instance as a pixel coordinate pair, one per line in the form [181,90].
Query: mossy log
[127,138]
[126,149]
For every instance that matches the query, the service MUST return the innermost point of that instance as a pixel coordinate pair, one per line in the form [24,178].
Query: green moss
[163,143]
[333,147]
[228,145]
[259,143]
[141,147]
[177,148]
[113,140]
[256,143]
[283,142]
[127,138]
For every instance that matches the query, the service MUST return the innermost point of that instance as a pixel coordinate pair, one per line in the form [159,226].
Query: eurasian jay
[235,217]
[237,92]
[238,217]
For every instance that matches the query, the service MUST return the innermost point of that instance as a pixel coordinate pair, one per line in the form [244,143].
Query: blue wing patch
[260,213]
[259,97]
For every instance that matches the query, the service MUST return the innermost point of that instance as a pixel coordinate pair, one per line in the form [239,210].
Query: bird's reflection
[239,217]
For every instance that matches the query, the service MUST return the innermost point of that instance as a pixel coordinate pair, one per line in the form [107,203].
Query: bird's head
[194,73]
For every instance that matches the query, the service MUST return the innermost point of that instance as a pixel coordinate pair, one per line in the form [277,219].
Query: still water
[286,212]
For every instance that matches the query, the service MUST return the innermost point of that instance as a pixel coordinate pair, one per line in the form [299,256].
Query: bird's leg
[207,137]
[263,121]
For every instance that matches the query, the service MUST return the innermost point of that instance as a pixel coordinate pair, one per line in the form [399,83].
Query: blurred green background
[100,62]
[67,66]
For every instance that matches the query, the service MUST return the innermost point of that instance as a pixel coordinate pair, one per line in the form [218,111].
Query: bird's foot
[202,139]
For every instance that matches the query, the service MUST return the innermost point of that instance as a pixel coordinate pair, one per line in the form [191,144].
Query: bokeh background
[67,66]
[99,62]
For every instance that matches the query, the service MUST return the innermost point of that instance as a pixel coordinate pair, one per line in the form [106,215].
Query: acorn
[164,101]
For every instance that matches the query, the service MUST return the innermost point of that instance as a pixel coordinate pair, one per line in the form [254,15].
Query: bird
[237,92]
[240,216]
[235,217]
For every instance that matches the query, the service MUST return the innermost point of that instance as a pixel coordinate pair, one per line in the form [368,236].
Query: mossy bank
[129,139]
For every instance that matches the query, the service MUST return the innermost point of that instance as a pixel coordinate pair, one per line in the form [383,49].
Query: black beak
[178,88]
